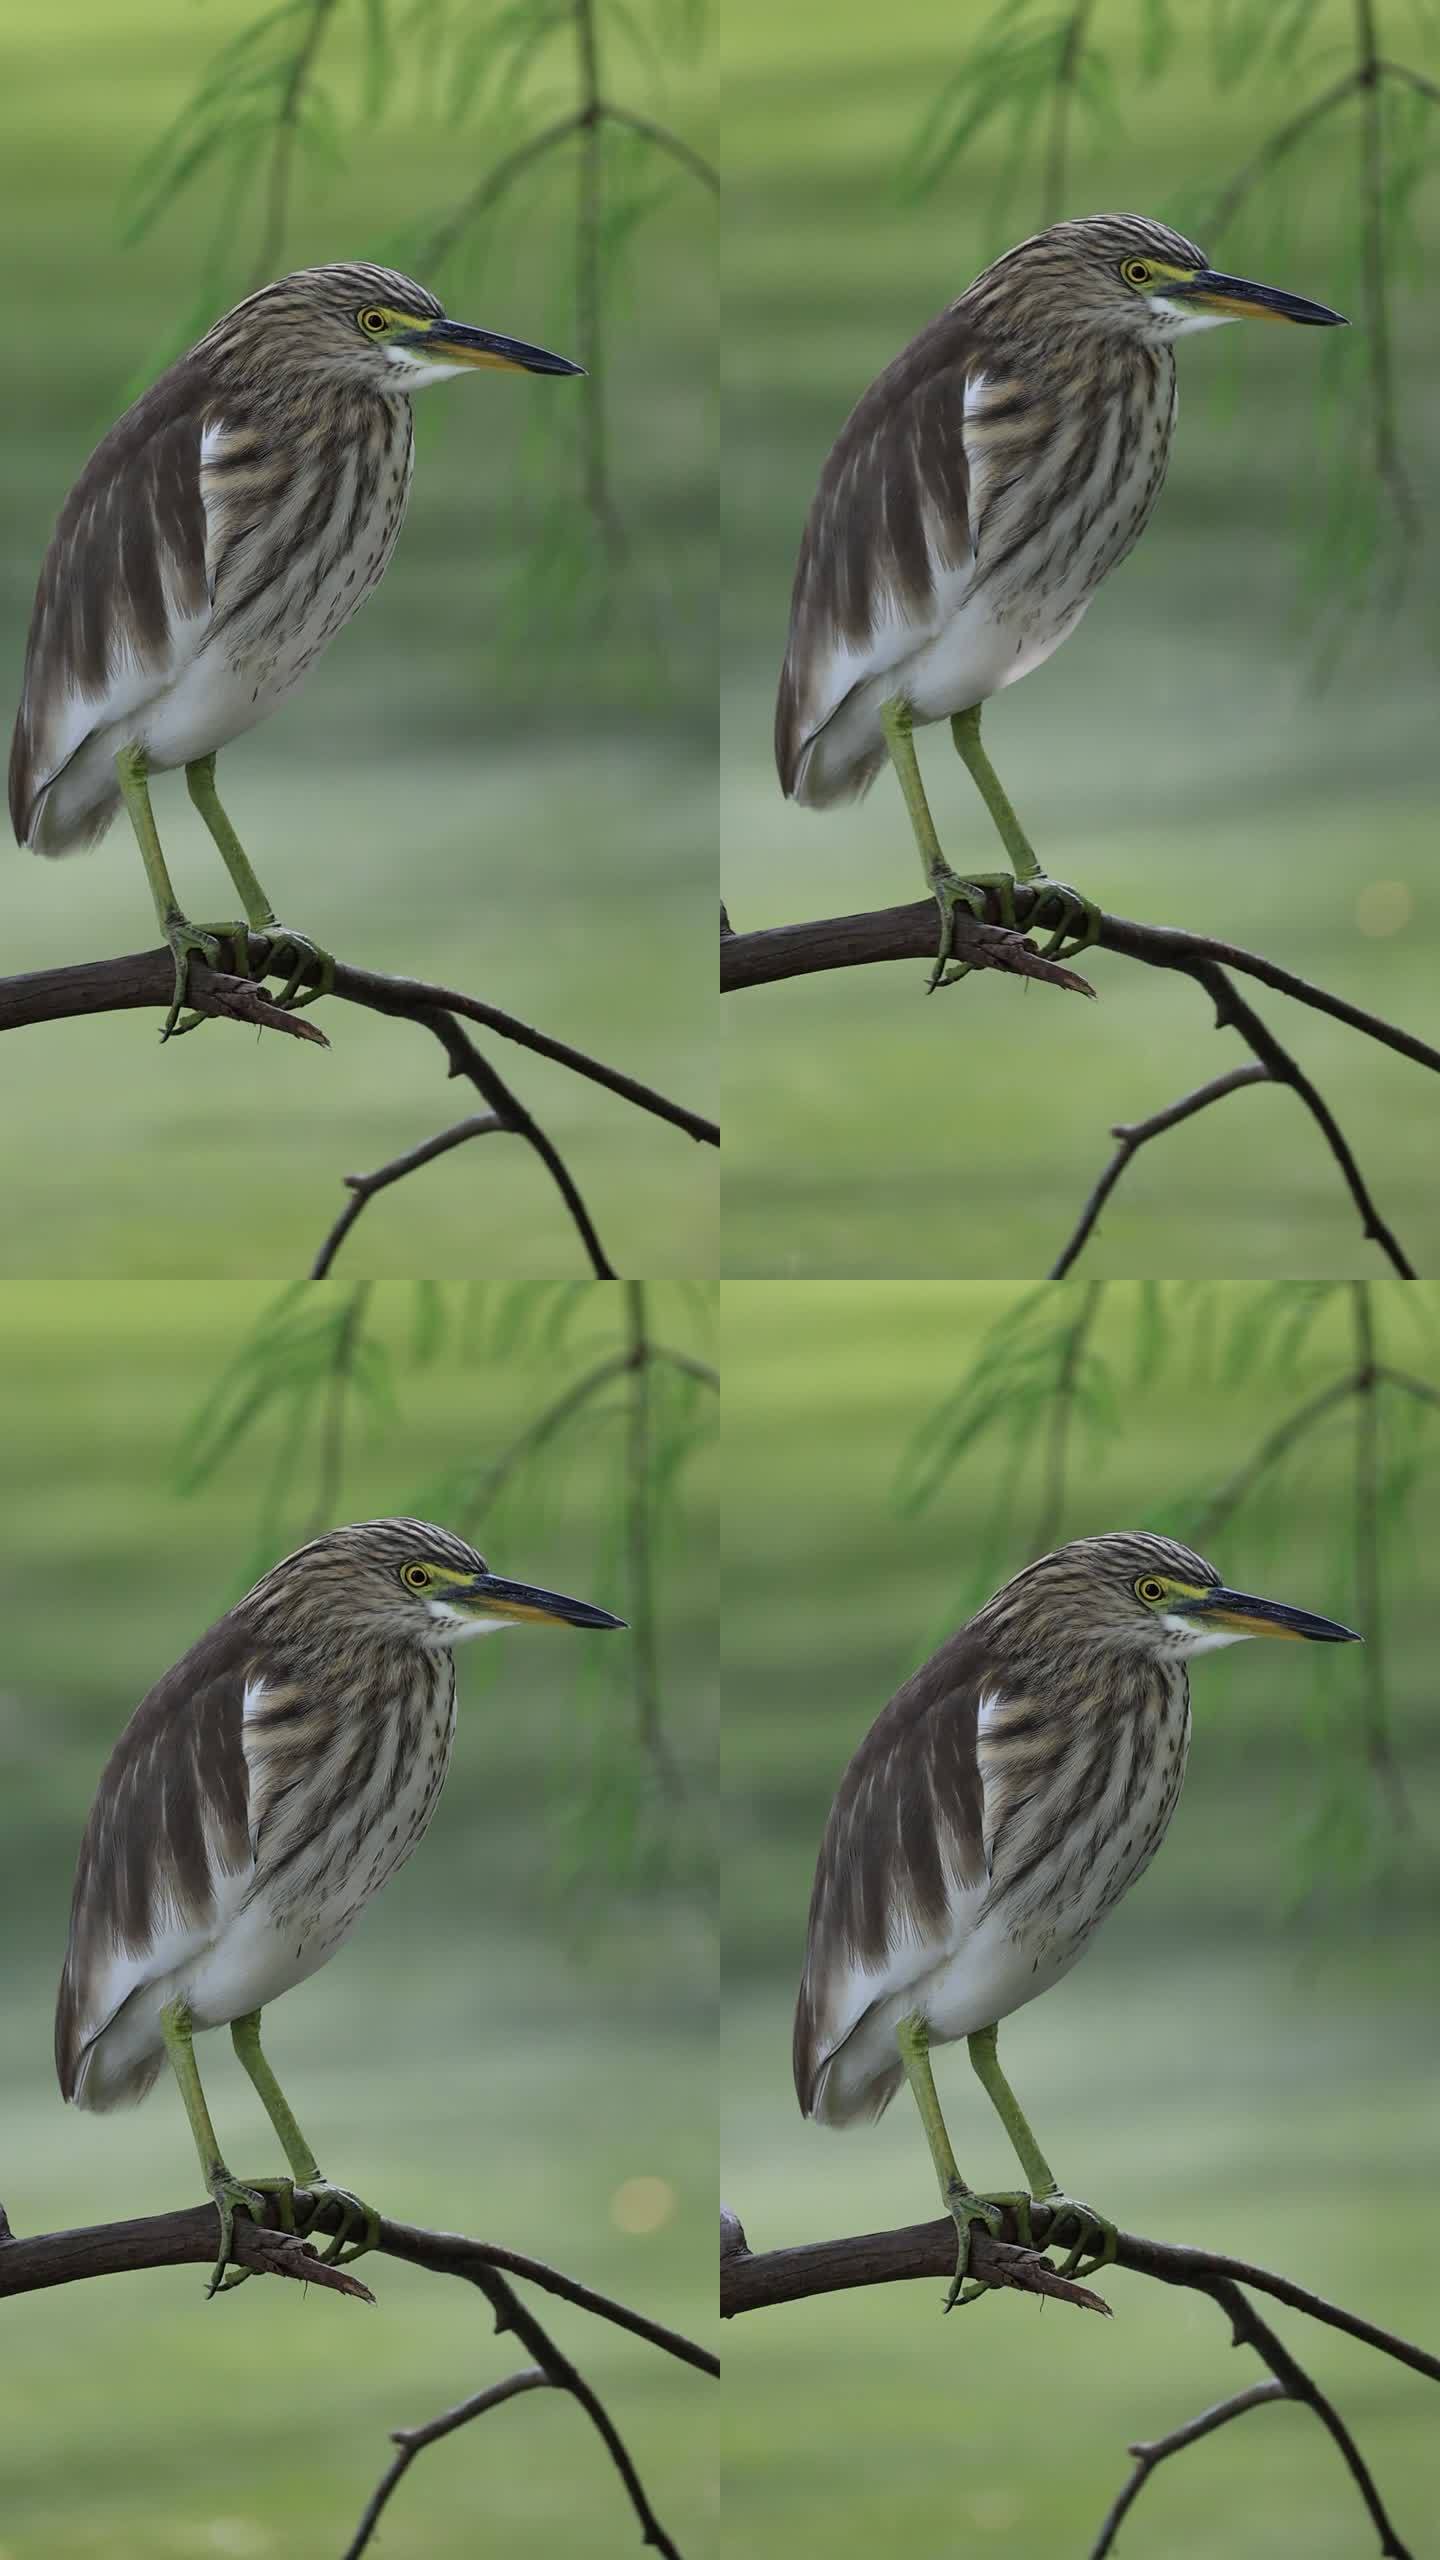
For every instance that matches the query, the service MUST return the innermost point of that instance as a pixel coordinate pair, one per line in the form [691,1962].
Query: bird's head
[367,326]
[1134,1594]
[1117,275]
[405,1581]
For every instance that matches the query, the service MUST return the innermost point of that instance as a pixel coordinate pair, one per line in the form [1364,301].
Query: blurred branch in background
[910,932]
[504,65]
[146,978]
[188,2238]
[1033,72]
[1048,1393]
[320,1360]
[751,2283]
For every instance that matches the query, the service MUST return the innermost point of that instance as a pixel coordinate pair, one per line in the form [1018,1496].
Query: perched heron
[1007,1797]
[217,539]
[970,506]
[262,1793]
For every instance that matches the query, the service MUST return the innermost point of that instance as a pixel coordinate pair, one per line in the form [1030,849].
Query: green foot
[232,2196]
[209,941]
[1074,921]
[1095,2240]
[965,2210]
[296,954]
[357,2230]
[975,896]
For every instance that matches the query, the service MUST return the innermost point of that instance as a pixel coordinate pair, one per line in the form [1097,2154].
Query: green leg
[230,2197]
[1078,918]
[947,889]
[297,949]
[344,2244]
[963,2205]
[182,936]
[1095,2237]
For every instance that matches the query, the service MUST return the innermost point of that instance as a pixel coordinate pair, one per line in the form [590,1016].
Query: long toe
[357,2229]
[975,894]
[1074,920]
[296,954]
[236,2195]
[1095,2237]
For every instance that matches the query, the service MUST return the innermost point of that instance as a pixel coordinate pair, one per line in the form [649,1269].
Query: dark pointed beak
[500,1599]
[1249,1617]
[450,342]
[1238,300]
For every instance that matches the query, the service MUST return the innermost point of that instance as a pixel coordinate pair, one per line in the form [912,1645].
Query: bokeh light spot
[642,2204]
[1383,907]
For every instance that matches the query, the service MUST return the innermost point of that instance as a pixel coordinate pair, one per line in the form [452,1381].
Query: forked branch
[143,980]
[188,2238]
[909,932]
[753,2283]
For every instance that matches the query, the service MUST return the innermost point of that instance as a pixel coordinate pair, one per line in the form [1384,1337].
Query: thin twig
[1061,1415]
[1273,149]
[1234,1012]
[492,187]
[639,1541]
[1131,1135]
[1226,1502]
[282,149]
[1249,2330]
[1389,466]
[465,1060]
[332,1446]
[664,140]
[413,2440]
[1146,2456]
[363,1186]
[1369,1584]
[590,282]
[1067,64]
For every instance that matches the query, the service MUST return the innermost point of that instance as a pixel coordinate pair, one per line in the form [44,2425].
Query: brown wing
[895,475]
[170,1816]
[126,565]
[907,1824]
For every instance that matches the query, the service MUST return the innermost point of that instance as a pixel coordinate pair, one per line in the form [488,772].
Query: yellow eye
[416,1577]
[374,323]
[1135,271]
[1148,1588]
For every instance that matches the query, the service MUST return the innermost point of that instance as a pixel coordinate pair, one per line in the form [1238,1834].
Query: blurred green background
[495,2054]
[521,805]
[1239,2064]
[1172,761]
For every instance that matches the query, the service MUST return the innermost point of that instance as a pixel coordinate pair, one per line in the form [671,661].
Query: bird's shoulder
[890,516]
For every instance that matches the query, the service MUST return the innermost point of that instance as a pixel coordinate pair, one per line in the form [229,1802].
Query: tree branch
[145,978]
[909,932]
[188,2238]
[1132,1136]
[363,1186]
[413,2440]
[1146,2456]
[750,2283]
